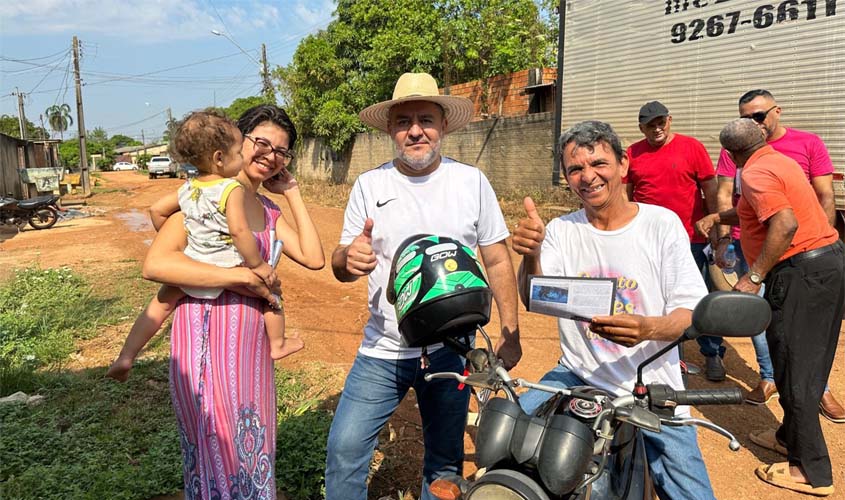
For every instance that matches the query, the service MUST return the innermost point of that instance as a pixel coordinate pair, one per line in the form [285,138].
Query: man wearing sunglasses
[811,154]
[671,170]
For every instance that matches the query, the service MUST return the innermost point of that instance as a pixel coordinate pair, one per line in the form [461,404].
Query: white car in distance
[124,165]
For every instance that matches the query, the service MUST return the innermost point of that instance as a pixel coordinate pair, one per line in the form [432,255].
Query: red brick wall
[506,94]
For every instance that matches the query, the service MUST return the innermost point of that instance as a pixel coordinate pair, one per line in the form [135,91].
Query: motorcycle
[41,212]
[583,443]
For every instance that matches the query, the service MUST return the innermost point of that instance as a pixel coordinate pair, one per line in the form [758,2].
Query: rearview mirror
[729,314]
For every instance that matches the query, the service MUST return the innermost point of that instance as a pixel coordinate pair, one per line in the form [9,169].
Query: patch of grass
[551,202]
[95,438]
[325,194]
[42,313]
[303,429]
[92,438]
[99,190]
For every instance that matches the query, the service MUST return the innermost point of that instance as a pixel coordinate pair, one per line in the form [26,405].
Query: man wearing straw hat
[419,191]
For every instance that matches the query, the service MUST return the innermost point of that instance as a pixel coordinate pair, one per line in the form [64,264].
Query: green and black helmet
[438,289]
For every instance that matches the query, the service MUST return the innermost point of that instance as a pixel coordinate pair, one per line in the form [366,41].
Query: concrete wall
[315,160]
[512,152]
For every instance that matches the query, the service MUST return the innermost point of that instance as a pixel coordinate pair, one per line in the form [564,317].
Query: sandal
[767,439]
[778,475]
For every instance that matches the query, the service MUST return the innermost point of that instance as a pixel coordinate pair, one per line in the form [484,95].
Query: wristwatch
[755,277]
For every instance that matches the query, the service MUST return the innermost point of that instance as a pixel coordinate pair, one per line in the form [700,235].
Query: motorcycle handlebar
[731,396]
[696,397]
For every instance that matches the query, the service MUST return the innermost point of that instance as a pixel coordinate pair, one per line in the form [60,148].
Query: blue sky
[122,39]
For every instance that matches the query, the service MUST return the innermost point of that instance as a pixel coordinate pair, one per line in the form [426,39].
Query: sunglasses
[262,147]
[759,116]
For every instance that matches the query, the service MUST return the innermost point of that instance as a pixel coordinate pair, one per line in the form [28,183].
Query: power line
[128,77]
[34,66]
[110,129]
[45,77]
[218,15]
[65,86]
[295,38]
[166,69]
[64,51]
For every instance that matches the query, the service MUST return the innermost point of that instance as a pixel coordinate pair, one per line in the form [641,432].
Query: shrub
[42,312]
[92,438]
[301,437]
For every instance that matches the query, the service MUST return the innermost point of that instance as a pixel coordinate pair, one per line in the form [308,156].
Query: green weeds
[42,313]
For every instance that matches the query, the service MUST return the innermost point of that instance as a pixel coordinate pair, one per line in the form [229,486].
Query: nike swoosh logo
[380,204]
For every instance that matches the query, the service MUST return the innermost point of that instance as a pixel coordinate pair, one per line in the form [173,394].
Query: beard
[419,162]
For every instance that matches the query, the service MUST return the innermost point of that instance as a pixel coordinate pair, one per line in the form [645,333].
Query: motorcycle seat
[37,201]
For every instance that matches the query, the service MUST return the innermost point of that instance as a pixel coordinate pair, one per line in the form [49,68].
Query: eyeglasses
[759,116]
[262,147]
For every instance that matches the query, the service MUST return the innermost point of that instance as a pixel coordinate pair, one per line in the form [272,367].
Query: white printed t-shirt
[456,201]
[203,204]
[656,274]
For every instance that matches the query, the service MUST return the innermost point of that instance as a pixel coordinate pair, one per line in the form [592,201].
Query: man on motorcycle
[647,249]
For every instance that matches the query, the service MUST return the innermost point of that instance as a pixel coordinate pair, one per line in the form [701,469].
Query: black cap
[652,110]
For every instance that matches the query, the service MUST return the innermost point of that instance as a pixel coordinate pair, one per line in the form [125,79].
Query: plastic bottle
[730,259]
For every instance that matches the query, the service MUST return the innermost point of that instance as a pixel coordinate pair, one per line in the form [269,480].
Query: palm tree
[59,118]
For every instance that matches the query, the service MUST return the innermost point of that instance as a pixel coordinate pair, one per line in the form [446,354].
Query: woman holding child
[221,370]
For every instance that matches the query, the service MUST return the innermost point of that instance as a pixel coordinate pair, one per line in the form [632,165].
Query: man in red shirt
[671,170]
[791,247]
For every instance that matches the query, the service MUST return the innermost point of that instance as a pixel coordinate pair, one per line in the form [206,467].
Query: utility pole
[80,122]
[144,142]
[169,127]
[561,14]
[265,73]
[21,115]
[43,130]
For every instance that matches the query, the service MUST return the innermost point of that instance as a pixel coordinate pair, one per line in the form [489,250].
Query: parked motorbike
[40,212]
[583,443]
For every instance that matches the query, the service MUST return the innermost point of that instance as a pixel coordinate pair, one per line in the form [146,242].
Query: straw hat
[419,87]
[721,280]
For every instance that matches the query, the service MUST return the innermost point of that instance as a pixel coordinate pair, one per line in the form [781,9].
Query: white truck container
[699,56]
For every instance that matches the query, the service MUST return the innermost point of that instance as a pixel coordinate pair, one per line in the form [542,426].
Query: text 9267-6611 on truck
[699,56]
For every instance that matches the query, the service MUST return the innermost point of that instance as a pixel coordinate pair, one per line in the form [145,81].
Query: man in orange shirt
[790,246]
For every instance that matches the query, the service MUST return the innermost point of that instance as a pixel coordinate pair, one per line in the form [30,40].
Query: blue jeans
[373,390]
[674,459]
[708,346]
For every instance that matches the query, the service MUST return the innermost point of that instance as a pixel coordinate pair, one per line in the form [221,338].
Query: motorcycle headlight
[504,484]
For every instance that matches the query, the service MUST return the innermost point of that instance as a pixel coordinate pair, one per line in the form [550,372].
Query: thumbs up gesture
[530,231]
[360,258]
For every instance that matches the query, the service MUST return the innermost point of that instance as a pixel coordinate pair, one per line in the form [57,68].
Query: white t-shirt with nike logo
[456,200]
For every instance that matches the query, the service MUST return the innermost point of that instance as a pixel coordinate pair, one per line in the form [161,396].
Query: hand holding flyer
[573,298]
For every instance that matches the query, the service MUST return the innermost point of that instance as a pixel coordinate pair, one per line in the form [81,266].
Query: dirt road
[330,316]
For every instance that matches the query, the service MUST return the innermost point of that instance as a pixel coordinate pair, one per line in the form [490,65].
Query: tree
[58,116]
[69,153]
[10,125]
[241,104]
[121,141]
[98,143]
[356,60]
